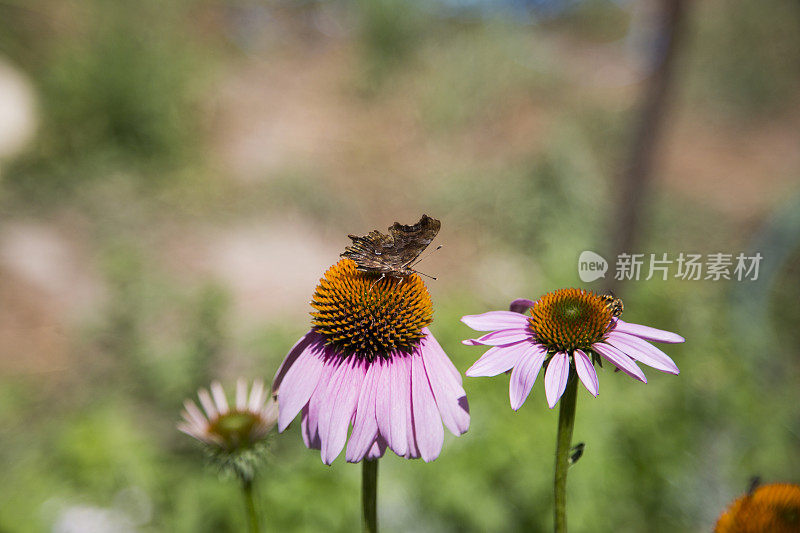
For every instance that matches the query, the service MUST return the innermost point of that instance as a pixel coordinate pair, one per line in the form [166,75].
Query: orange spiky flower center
[774,508]
[368,315]
[570,319]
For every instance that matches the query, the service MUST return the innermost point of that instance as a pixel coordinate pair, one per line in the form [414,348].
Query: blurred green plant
[468,72]
[165,339]
[745,55]
[785,313]
[530,200]
[597,20]
[117,92]
[389,33]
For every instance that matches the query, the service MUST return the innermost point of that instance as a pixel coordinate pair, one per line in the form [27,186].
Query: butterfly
[393,254]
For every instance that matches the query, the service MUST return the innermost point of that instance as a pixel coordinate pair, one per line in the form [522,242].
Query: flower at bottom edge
[774,507]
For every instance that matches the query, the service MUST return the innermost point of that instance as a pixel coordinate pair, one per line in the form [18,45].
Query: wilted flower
[774,508]
[230,430]
[370,360]
[566,327]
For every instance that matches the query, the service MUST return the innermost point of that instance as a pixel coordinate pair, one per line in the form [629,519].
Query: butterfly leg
[376,281]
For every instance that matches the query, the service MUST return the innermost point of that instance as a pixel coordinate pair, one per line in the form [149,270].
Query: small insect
[394,254]
[613,303]
[575,453]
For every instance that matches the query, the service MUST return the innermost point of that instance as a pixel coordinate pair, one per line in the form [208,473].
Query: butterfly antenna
[424,274]
[423,255]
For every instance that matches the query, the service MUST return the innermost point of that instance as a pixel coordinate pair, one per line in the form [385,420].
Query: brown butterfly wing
[392,254]
[410,241]
[371,253]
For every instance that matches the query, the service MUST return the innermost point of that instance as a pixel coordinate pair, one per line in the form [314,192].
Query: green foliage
[126,78]
[747,55]
[166,364]
[786,293]
[530,200]
[598,20]
[242,464]
[506,62]
[390,31]
[102,451]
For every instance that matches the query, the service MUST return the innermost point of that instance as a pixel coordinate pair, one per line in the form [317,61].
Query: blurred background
[176,176]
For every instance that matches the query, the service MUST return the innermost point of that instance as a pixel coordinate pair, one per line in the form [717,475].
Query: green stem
[250,505]
[566,422]
[369,496]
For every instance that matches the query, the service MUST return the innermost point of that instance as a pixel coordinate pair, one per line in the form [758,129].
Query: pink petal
[377,450]
[256,395]
[643,351]
[521,305]
[399,371]
[199,435]
[383,399]
[189,430]
[194,414]
[647,333]
[524,374]
[427,423]
[299,382]
[208,404]
[501,337]
[189,423]
[619,360]
[309,429]
[432,344]
[312,409]
[219,397]
[498,360]
[412,450]
[448,392]
[338,407]
[494,320]
[241,394]
[555,378]
[312,337]
[365,425]
[586,373]
[270,413]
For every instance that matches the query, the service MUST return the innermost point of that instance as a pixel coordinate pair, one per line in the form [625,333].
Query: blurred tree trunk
[634,183]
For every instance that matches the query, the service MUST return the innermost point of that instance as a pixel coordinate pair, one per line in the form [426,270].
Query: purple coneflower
[230,429]
[567,328]
[235,438]
[370,361]
[568,332]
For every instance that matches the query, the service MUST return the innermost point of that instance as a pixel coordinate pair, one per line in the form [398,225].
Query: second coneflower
[370,361]
[566,332]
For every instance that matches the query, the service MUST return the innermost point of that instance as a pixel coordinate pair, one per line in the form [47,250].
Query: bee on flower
[567,330]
